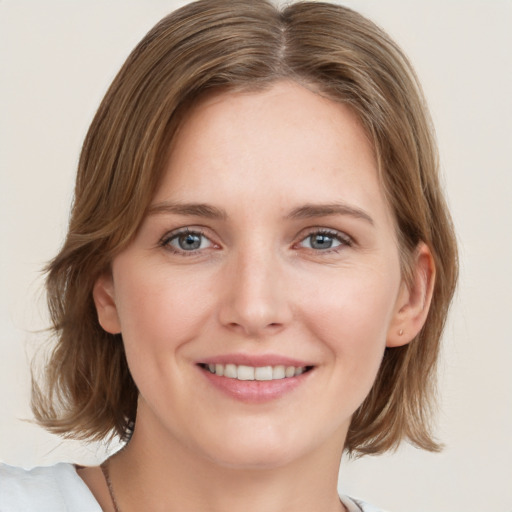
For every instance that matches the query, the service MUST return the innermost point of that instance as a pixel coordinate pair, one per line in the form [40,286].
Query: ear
[414,299]
[104,300]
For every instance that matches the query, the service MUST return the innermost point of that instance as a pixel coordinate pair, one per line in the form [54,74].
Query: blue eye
[186,241]
[322,241]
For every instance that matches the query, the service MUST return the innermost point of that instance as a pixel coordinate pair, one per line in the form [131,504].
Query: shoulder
[356,505]
[53,488]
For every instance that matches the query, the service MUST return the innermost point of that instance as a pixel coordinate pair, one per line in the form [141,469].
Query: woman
[257,270]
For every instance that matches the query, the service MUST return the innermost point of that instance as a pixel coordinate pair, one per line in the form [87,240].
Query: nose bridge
[255,300]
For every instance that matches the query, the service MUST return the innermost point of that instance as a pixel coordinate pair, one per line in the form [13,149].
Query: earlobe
[104,300]
[414,299]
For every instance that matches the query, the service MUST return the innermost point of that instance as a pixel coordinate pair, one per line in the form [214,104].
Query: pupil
[189,241]
[321,242]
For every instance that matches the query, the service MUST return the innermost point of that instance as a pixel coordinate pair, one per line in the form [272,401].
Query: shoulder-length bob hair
[221,45]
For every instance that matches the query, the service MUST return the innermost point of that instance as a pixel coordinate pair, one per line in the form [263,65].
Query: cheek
[351,314]
[159,312]
[159,315]
[358,304]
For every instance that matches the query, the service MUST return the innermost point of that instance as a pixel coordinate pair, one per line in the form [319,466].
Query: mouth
[255,373]
[256,379]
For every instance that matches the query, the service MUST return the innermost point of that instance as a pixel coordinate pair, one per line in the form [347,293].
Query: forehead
[285,143]
[285,102]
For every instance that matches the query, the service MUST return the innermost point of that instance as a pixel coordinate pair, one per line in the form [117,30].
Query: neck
[173,478]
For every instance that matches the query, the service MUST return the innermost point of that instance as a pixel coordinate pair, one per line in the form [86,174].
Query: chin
[253,455]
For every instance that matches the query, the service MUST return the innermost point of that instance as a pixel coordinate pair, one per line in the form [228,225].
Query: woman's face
[269,251]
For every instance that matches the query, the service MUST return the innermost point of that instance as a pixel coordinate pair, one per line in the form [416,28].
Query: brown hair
[242,44]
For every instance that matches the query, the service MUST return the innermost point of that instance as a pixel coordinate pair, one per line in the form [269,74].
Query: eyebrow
[192,209]
[309,211]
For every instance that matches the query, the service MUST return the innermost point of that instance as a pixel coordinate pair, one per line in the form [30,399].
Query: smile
[261,373]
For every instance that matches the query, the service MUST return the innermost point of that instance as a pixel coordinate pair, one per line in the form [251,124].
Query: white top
[45,489]
[59,488]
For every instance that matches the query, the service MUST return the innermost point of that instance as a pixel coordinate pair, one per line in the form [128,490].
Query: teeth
[263,373]
[290,371]
[278,372]
[229,371]
[243,372]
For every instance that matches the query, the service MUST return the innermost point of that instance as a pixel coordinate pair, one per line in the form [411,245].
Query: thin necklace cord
[106,474]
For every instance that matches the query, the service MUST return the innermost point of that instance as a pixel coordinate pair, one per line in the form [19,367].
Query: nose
[255,301]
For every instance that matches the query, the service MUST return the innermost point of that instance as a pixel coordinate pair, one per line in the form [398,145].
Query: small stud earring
[400,332]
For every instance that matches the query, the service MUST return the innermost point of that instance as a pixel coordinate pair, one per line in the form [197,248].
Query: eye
[325,240]
[186,241]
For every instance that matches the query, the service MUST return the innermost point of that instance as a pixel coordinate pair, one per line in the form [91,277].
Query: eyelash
[165,242]
[343,239]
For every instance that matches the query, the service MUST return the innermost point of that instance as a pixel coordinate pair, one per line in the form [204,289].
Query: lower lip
[255,391]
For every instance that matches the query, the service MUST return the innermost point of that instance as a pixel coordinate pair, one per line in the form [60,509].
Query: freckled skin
[256,285]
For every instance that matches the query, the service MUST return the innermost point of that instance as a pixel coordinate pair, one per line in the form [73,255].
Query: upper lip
[255,360]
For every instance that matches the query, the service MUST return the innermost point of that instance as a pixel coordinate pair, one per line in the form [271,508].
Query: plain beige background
[57,59]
